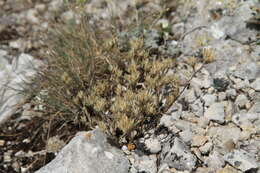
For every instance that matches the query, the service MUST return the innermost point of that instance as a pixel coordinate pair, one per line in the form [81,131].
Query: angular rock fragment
[178,156]
[216,112]
[88,152]
[242,160]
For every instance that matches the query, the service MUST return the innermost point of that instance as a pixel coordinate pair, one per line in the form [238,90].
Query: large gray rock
[12,76]
[88,152]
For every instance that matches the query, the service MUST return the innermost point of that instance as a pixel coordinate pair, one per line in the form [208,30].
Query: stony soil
[214,126]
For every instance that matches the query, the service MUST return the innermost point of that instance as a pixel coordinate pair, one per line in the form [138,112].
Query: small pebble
[153,145]
[2,143]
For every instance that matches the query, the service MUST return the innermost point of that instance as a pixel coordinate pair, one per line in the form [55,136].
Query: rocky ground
[214,126]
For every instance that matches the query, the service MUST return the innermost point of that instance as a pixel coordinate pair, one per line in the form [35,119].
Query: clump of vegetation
[202,39]
[208,55]
[91,81]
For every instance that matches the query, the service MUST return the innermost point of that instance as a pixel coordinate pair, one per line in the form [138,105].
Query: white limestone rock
[178,156]
[242,160]
[256,84]
[12,76]
[209,99]
[88,152]
[144,163]
[241,101]
[153,145]
[216,112]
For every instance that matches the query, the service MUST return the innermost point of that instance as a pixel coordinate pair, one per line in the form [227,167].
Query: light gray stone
[186,135]
[209,99]
[190,96]
[188,116]
[255,108]
[206,148]
[145,163]
[231,93]
[153,145]
[182,125]
[253,147]
[176,107]
[242,84]
[251,93]
[221,133]
[167,121]
[256,84]
[133,170]
[245,118]
[88,152]
[205,82]
[242,160]
[222,96]
[12,78]
[249,122]
[247,71]
[197,108]
[3,53]
[232,25]
[215,160]
[18,44]
[246,134]
[178,156]
[241,101]
[203,122]
[219,136]
[257,126]
[216,112]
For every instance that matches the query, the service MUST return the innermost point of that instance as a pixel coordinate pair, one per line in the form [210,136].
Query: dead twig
[189,32]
